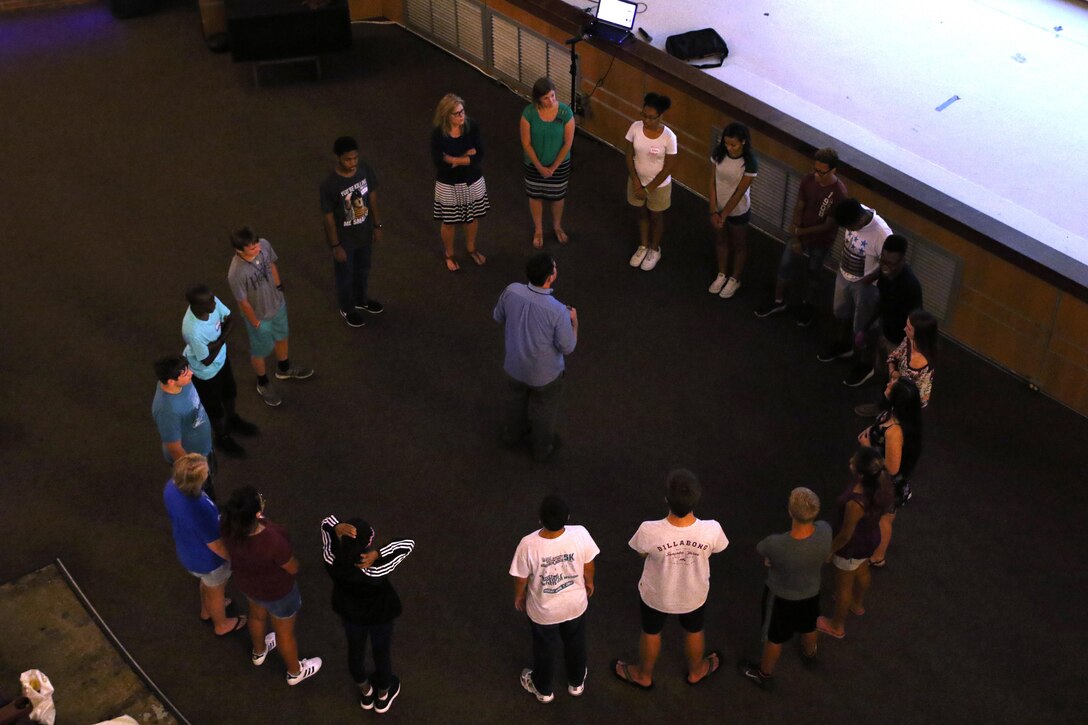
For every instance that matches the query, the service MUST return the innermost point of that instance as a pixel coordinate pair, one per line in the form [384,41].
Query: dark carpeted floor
[130,150]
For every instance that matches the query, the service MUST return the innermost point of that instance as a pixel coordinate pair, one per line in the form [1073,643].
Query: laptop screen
[617,12]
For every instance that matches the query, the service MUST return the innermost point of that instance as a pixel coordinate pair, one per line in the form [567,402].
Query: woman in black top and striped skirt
[460,194]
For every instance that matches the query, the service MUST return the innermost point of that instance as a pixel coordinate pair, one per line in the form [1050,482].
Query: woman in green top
[547,132]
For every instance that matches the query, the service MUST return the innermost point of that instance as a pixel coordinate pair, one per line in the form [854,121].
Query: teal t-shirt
[546,137]
[197,333]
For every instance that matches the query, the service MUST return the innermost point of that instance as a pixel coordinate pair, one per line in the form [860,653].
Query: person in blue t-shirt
[205,328]
[194,521]
[180,417]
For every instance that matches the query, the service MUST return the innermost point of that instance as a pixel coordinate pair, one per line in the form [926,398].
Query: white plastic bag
[39,690]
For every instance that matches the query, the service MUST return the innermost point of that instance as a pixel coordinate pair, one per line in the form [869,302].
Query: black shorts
[653,621]
[740,219]
[783,617]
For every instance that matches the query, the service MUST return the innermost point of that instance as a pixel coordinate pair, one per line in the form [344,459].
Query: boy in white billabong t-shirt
[675,580]
[553,581]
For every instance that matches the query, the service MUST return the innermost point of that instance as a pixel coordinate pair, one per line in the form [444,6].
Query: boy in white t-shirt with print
[553,581]
[675,580]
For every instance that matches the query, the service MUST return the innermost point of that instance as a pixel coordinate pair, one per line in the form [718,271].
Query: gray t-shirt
[796,563]
[252,281]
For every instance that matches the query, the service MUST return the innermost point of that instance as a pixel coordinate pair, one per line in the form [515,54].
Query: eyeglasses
[458,113]
[648,117]
[822,173]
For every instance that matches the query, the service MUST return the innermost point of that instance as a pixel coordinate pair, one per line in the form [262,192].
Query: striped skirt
[460,203]
[553,188]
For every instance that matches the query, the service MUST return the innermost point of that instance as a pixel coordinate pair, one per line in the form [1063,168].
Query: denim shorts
[263,338]
[283,608]
[847,564]
[215,577]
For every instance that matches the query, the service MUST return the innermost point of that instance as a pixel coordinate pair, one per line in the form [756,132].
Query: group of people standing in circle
[240,541]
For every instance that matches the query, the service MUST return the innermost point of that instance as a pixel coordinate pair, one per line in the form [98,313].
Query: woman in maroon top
[857,534]
[264,568]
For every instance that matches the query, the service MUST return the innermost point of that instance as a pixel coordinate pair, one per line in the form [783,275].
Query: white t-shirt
[650,153]
[861,250]
[676,575]
[727,176]
[554,568]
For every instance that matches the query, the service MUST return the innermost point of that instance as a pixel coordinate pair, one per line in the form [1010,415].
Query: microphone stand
[575,96]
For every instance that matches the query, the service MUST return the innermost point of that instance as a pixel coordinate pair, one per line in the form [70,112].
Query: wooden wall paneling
[391,9]
[1065,375]
[366,9]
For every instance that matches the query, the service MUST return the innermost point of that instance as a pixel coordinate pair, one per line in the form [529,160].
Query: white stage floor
[872,74]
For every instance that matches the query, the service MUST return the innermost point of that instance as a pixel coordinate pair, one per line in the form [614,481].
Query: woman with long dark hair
[914,357]
[460,192]
[264,569]
[897,434]
[733,168]
[857,533]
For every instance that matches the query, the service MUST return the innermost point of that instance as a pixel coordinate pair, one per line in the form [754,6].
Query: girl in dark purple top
[264,569]
[857,533]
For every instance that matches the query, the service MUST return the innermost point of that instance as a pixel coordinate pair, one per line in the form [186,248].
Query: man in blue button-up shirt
[539,331]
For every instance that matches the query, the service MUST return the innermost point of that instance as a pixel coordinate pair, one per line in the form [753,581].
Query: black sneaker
[770,307]
[385,701]
[858,376]
[835,352]
[229,446]
[753,674]
[366,699]
[353,318]
[372,306]
[242,427]
[805,315]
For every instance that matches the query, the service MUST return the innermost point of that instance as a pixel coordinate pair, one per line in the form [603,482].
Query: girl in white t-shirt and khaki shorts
[651,155]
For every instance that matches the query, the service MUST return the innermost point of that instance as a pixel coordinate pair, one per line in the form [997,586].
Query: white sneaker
[638,256]
[574,691]
[730,288]
[307,668]
[527,683]
[652,258]
[717,284]
[269,645]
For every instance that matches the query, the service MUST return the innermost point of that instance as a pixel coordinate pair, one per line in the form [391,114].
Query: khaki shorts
[659,199]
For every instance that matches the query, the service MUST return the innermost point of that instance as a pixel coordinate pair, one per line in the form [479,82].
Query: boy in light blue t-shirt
[205,327]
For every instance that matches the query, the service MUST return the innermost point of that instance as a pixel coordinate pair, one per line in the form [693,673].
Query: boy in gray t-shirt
[791,599]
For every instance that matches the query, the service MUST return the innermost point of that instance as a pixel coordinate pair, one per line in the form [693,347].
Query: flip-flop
[561,236]
[713,659]
[451,261]
[621,673]
[477,257]
[239,623]
[824,626]
[226,603]
[877,564]
[857,611]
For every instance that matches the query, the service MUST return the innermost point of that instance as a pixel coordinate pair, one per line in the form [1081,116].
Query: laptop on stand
[615,19]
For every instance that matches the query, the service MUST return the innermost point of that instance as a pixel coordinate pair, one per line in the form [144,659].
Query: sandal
[857,611]
[877,563]
[561,236]
[538,241]
[622,672]
[477,257]
[451,264]
[713,661]
[239,623]
[226,603]
[824,625]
